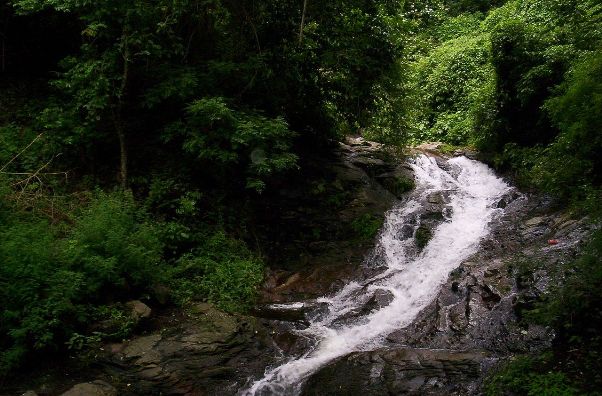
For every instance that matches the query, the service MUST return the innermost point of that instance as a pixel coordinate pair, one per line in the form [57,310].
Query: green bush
[64,285]
[454,80]
[220,270]
[52,279]
[573,159]
[522,85]
[524,376]
[37,292]
[114,245]
[238,141]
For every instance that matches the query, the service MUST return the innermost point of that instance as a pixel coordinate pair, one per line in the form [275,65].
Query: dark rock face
[372,179]
[211,352]
[398,371]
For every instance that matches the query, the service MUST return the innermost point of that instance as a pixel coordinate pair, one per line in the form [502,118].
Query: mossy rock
[397,185]
[367,226]
[423,236]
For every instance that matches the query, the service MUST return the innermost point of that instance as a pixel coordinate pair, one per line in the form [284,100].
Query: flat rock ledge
[406,371]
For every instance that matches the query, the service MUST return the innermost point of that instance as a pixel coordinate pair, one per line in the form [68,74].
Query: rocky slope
[475,321]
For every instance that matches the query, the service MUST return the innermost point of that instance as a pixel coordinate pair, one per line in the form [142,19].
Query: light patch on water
[285,307]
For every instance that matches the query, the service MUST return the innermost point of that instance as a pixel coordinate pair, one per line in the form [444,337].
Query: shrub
[238,141]
[37,292]
[114,246]
[523,376]
[454,81]
[573,159]
[51,279]
[221,271]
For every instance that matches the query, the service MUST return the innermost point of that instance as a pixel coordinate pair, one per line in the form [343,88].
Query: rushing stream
[410,278]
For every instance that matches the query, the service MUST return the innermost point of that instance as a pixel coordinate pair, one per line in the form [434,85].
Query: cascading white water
[413,280]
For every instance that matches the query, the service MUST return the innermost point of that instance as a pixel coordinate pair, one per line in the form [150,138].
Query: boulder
[138,310]
[95,388]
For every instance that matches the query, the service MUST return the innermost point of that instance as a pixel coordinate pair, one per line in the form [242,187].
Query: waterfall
[410,278]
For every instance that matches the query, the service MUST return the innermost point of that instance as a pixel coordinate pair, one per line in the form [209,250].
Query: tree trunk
[123,156]
[119,124]
[302,21]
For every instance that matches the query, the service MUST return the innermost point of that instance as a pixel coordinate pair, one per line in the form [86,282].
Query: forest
[142,143]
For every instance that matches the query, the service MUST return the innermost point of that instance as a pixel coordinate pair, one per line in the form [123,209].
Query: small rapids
[410,278]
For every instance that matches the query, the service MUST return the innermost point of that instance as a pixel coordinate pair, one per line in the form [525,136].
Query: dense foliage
[189,113]
[520,81]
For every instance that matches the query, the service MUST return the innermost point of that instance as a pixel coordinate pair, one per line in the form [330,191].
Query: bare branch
[21,152]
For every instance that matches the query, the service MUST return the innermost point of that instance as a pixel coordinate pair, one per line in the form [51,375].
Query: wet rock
[436,209]
[372,163]
[489,296]
[96,388]
[507,199]
[536,221]
[448,297]
[492,293]
[380,299]
[468,153]
[432,214]
[397,371]
[361,142]
[368,163]
[348,174]
[405,232]
[308,230]
[458,317]
[397,184]
[537,227]
[455,287]
[290,313]
[289,281]
[142,349]
[431,147]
